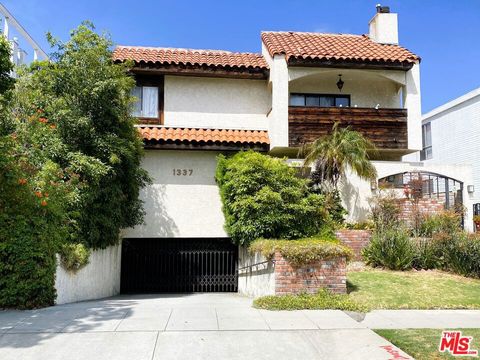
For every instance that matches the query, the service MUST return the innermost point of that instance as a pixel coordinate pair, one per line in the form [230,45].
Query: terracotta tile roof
[318,46]
[171,56]
[203,136]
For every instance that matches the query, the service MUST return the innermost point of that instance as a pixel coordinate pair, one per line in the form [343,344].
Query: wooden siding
[386,128]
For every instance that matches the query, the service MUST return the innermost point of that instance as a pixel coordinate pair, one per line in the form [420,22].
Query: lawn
[382,289]
[423,344]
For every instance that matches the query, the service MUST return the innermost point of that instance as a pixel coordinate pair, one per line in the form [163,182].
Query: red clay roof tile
[172,56]
[195,135]
[318,46]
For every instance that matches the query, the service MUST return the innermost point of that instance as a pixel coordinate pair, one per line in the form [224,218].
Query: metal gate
[153,265]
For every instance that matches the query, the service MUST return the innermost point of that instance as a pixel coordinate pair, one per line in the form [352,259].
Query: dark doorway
[155,265]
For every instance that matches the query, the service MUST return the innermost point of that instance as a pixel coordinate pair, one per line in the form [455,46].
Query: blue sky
[445,33]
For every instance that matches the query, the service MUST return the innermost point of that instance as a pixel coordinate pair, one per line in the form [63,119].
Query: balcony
[386,128]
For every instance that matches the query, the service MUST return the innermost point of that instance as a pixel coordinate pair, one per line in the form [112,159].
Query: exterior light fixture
[373,185]
[471,189]
[340,82]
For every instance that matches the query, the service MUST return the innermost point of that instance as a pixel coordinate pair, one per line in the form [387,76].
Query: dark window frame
[156,81]
[423,153]
[334,96]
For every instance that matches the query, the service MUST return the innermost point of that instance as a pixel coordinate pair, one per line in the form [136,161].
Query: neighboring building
[195,104]
[24,47]
[451,135]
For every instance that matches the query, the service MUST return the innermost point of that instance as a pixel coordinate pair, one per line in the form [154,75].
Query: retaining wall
[98,279]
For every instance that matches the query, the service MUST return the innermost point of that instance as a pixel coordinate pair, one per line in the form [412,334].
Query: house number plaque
[182,172]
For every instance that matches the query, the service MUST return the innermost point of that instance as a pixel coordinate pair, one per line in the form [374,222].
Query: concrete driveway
[186,326]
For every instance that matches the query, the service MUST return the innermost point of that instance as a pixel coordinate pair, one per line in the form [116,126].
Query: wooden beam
[202,71]
[376,65]
[161,145]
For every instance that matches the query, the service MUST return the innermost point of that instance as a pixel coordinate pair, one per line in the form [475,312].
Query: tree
[334,153]
[6,86]
[84,99]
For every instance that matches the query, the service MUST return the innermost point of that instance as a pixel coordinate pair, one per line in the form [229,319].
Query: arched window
[446,190]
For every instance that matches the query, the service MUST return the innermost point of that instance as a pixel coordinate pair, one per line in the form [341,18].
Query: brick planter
[329,274]
[259,276]
[355,240]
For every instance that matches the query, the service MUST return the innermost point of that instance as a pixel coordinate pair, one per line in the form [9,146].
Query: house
[450,135]
[195,104]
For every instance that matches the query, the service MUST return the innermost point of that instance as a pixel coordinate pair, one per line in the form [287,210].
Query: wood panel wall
[386,128]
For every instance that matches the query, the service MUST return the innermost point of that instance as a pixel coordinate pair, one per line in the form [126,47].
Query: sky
[444,33]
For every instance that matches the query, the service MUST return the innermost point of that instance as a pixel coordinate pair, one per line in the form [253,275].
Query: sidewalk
[422,319]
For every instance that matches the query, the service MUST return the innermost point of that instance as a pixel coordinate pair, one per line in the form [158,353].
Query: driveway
[186,326]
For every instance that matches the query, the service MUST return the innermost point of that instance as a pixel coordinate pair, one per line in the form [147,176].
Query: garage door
[156,265]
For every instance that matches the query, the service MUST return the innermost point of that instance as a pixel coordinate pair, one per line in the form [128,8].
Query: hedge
[302,251]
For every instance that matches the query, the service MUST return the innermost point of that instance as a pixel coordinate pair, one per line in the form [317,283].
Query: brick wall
[330,274]
[424,207]
[355,240]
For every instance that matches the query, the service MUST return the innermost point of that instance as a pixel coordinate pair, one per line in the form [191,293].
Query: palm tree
[332,154]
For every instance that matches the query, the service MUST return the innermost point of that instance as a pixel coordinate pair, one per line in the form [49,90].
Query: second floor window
[426,152]
[147,101]
[319,100]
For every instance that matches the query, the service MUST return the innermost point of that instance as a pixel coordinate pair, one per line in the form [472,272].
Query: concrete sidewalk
[199,326]
[422,319]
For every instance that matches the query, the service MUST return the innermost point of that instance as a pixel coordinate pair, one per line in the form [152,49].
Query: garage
[173,265]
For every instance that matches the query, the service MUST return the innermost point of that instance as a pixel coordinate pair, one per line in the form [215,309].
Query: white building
[451,135]
[196,104]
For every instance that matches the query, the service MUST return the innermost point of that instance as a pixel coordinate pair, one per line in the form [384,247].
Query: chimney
[384,26]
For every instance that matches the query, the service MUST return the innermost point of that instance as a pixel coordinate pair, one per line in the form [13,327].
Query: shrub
[428,253]
[323,299]
[463,255]
[390,248]
[263,198]
[302,251]
[447,221]
[385,211]
[33,224]
[74,256]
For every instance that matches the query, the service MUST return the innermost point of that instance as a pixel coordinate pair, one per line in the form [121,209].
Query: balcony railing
[386,128]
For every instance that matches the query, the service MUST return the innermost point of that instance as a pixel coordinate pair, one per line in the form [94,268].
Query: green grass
[322,300]
[382,289]
[422,344]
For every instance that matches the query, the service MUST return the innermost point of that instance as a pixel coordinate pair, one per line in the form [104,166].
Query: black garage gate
[153,265]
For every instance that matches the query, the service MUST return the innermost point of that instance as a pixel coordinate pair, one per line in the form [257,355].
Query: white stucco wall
[98,279]
[356,193]
[257,280]
[456,136]
[366,88]
[216,102]
[180,206]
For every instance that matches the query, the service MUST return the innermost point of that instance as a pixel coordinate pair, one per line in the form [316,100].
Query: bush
[463,255]
[74,256]
[385,211]
[447,221]
[302,251]
[263,198]
[390,248]
[33,224]
[428,254]
[323,299]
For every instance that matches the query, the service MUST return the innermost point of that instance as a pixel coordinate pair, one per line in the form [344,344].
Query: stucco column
[412,102]
[278,119]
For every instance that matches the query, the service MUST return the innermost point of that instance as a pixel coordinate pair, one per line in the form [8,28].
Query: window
[146,105]
[319,100]
[426,153]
